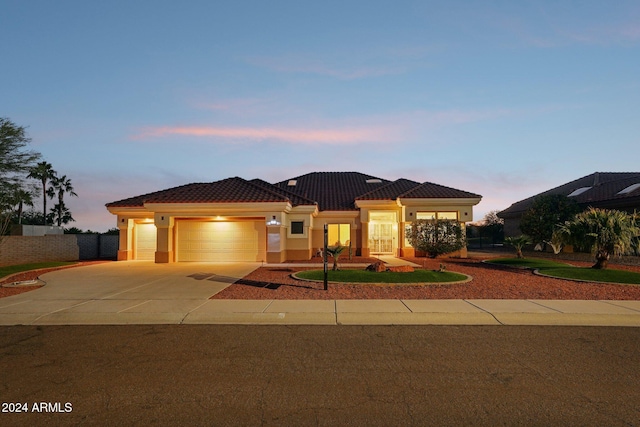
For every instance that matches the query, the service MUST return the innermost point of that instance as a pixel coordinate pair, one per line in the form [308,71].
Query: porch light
[273,221]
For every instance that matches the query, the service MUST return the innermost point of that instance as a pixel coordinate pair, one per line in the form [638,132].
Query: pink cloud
[331,136]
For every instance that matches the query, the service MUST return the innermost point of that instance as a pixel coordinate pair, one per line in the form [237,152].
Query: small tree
[556,242]
[606,232]
[436,237]
[518,243]
[335,252]
[546,212]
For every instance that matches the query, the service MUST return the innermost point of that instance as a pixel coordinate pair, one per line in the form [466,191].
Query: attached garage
[222,241]
[145,241]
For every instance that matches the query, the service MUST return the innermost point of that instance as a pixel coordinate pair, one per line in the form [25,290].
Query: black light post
[324,256]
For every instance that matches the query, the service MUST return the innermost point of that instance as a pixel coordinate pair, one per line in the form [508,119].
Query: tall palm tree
[22,197]
[44,172]
[608,232]
[59,187]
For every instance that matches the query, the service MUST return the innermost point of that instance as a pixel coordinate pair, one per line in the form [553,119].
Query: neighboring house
[610,190]
[239,220]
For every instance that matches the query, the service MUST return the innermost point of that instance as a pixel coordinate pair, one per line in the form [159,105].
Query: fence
[60,247]
[97,246]
[28,249]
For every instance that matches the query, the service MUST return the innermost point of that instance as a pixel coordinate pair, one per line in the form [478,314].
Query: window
[339,234]
[438,215]
[629,189]
[297,227]
[425,215]
[579,191]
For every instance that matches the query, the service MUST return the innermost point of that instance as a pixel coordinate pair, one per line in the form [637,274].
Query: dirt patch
[489,282]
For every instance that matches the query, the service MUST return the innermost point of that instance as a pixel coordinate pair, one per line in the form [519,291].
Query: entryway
[383,229]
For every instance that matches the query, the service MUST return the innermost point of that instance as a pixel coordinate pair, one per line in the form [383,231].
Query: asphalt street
[319,375]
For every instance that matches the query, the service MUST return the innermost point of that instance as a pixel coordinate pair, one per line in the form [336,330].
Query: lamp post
[324,256]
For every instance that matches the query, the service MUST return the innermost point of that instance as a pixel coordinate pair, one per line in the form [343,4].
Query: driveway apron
[121,293]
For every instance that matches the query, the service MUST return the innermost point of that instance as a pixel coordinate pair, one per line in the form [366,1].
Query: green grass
[564,271]
[363,276]
[527,262]
[585,273]
[12,269]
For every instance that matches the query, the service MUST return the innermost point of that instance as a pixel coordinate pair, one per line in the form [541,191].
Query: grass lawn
[12,269]
[363,276]
[585,273]
[527,262]
[564,271]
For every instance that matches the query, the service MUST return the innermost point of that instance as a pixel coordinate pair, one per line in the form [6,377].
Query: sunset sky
[500,98]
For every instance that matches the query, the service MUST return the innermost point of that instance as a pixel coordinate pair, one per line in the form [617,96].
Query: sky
[505,99]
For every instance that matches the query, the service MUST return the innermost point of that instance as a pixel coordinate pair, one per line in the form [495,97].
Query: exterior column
[125,244]
[275,243]
[463,252]
[405,250]
[164,240]
[366,251]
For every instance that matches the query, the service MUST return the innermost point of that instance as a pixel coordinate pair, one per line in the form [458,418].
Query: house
[607,190]
[252,220]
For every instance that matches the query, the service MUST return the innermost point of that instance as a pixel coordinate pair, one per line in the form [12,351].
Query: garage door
[221,241]
[145,241]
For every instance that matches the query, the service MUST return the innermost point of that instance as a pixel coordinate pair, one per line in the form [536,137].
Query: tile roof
[390,191]
[230,190]
[296,200]
[429,190]
[334,191]
[600,189]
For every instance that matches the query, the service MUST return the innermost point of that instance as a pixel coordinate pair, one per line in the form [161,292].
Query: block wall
[28,249]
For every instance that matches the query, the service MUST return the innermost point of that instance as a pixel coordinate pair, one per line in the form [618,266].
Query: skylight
[629,189]
[292,183]
[374,181]
[579,191]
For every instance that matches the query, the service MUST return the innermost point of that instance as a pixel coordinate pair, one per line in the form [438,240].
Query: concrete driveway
[122,293]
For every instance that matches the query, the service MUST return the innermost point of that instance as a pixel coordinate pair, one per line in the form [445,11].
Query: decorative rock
[377,266]
[401,269]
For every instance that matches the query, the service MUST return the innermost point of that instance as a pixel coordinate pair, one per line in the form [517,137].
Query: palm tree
[44,172]
[335,252]
[518,243]
[607,232]
[22,197]
[59,187]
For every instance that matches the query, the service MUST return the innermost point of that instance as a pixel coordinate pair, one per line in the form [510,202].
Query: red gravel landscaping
[489,282]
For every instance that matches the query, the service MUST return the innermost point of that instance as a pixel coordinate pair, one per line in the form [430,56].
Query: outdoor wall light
[273,221]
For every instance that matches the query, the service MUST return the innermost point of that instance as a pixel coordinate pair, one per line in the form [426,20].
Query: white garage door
[145,241]
[221,241]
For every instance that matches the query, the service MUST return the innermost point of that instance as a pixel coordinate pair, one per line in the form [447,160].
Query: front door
[381,238]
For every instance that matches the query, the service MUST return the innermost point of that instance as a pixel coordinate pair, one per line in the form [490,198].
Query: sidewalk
[141,292]
[322,312]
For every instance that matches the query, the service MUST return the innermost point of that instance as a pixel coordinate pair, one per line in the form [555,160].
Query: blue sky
[500,98]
